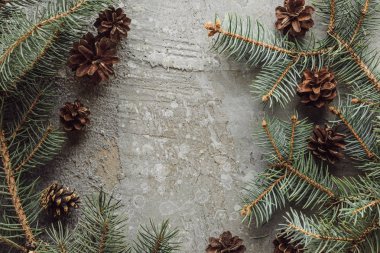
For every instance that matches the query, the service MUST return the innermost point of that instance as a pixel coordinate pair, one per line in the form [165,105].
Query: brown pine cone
[59,200]
[317,88]
[225,243]
[113,23]
[93,58]
[327,144]
[74,116]
[294,18]
[283,245]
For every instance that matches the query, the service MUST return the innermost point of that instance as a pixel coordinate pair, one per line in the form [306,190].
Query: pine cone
[283,245]
[327,144]
[225,243]
[317,87]
[74,116]
[93,58]
[59,200]
[294,18]
[113,23]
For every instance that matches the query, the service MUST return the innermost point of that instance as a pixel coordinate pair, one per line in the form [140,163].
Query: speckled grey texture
[171,134]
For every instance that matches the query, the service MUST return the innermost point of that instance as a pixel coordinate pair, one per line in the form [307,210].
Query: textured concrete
[171,134]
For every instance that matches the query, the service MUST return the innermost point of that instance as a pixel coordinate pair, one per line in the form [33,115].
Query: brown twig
[332,16]
[216,28]
[103,238]
[13,245]
[370,204]
[364,12]
[266,97]
[371,77]
[305,178]
[318,236]
[291,148]
[269,135]
[366,149]
[13,191]
[247,209]
[363,101]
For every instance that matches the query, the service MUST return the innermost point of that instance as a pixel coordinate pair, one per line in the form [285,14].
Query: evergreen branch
[318,236]
[331,26]
[369,205]
[266,97]
[247,209]
[364,101]
[216,28]
[363,15]
[357,59]
[26,114]
[39,57]
[39,26]
[272,141]
[364,146]
[154,239]
[291,145]
[103,237]
[12,188]
[288,167]
[36,148]
[13,245]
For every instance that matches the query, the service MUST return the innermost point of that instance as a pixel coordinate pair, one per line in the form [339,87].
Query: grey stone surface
[171,134]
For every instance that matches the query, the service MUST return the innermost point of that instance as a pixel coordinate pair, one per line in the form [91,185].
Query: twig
[12,244]
[103,238]
[270,137]
[335,111]
[291,148]
[13,191]
[318,236]
[364,12]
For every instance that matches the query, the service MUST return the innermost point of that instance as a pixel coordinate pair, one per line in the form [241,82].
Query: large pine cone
[317,88]
[327,144]
[59,200]
[74,116]
[283,245]
[93,57]
[225,243]
[113,23]
[294,18]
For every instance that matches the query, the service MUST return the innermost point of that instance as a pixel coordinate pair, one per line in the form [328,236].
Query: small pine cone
[327,144]
[294,18]
[113,23]
[283,245]
[93,58]
[58,200]
[317,88]
[225,243]
[74,116]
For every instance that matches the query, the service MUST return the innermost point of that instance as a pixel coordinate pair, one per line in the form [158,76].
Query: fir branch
[13,191]
[291,144]
[266,97]
[13,245]
[36,148]
[318,236]
[359,25]
[288,167]
[272,141]
[154,239]
[357,59]
[351,129]
[263,198]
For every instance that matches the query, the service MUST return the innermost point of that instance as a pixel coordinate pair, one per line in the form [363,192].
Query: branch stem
[270,137]
[318,236]
[12,244]
[13,191]
[366,149]
[247,209]
[291,146]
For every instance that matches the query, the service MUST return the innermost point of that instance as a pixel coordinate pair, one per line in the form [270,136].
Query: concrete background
[171,134]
